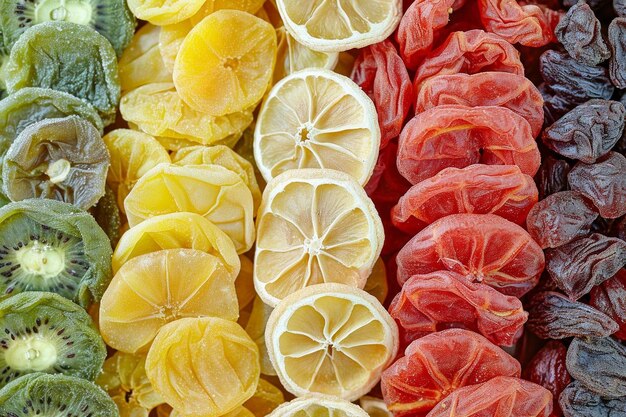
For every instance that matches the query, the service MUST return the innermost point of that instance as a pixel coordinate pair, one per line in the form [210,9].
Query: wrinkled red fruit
[484,247]
[437,364]
[458,136]
[610,298]
[444,299]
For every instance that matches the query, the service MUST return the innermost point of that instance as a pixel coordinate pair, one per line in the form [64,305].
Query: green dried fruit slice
[107,214]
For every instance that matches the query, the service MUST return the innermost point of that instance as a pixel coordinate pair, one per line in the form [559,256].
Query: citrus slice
[142,63]
[292,56]
[244,283]
[173,231]
[225,63]
[160,287]
[132,155]
[255,327]
[164,12]
[203,367]
[318,407]
[212,191]
[376,284]
[374,407]
[331,339]
[326,25]
[265,400]
[224,156]
[314,226]
[316,118]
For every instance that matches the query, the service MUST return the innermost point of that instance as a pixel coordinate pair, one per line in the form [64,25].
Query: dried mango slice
[164,12]
[265,400]
[255,327]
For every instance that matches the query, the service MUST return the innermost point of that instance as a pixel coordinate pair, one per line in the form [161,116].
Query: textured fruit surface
[160,12]
[318,407]
[142,63]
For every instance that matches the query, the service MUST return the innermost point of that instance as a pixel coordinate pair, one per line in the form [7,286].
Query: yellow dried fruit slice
[265,400]
[244,283]
[318,407]
[328,25]
[225,63]
[314,226]
[224,156]
[374,407]
[152,290]
[203,367]
[331,339]
[164,12]
[376,284]
[211,6]
[255,327]
[133,154]
[292,56]
[212,191]
[316,118]
[176,144]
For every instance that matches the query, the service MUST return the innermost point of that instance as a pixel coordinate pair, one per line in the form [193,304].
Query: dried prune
[469,52]
[484,247]
[458,136]
[578,266]
[599,364]
[617,42]
[559,218]
[620,7]
[552,176]
[553,316]
[604,183]
[479,189]
[554,106]
[489,88]
[610,298]
[578,401]
[499,397]
[580,33]
[547,368]
[587,132]
[444,299]
[436,365]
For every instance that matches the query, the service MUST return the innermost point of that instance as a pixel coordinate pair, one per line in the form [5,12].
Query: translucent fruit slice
[265,400]
[314,226]
[331,339]
[210,360]
[338,26]
[316,118]
[164,12]
[255,327]
[376,284]
[318,407]
[374,407]
[212,191]
[225,63]
[152,290]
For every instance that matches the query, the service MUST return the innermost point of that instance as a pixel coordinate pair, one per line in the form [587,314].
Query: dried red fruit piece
[469,52]
[547,368]
[484,247]
[445,299]
[553,316]
[386,185]
[560,218]
[439,363]
[478,189]
[578,266]
[458,136]
[580,32]
[499,397]
[512,91]
[610,298]
[552,176]
[604,183]
[380,72]
[617,42]
[578,401]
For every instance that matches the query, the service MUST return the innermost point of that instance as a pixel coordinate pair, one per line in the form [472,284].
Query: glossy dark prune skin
[587,132]
[547,368]
[580,33]
[553,316]
[552,176]
[617,42]
[577,401]
[610,298]
[599,364]
[578,266]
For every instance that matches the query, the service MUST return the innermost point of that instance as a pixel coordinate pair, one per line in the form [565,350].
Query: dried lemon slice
[225,63]
[204,367]
[314,226]
[316,118]
[328,25]
[331,339]
[376,284]
[164,12]
[265,400]
[212,191]
[318,407]
[152,290]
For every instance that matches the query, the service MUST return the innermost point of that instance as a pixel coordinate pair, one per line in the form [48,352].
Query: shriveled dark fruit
[620,7]
[577,401]
[587,132]
[578,266]
[60,159]
[560,218]
[553,316]
[107,214]
[610,298]
[603,183]
[599,364]
[554,106]
[618,228]
[552,176]
[595,4]
[617,42]
[580,33]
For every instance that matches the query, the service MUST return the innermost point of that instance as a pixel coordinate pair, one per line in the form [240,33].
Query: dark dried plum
[620,7]
[552,176]
[580,33]
[610,298]
[617,42]
[547,368]
[578,401]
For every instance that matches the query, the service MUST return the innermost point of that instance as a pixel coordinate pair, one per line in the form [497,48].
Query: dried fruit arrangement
[251,208]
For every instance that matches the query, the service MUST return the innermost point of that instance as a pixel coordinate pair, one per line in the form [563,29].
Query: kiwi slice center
[31,353]
[41,259]
[58,170]
[76,11]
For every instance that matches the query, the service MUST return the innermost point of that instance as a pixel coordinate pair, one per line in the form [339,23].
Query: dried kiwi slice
[62,159]
[55,395]
[44,332]
[111,18]
[67,57]
[47,245]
